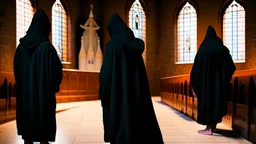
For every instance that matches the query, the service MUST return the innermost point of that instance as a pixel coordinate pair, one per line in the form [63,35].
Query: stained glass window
[24,15]
[234,31]
[59,30]
[137,22]
[186,34]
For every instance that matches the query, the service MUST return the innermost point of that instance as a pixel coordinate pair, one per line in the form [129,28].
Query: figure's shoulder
[18,48]
[114,46]
[226,49]
[46,44]
[112,43]
[140,40]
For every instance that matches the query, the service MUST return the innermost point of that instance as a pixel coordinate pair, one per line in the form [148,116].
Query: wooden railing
[76,86]
[176,91]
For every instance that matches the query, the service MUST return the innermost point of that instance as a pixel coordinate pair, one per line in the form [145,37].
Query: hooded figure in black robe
[128,113]
[38,74]
[210,77]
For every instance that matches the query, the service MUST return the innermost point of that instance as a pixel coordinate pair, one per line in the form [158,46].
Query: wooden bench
[176,91]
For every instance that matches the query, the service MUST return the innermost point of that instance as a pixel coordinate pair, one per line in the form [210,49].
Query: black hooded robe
[210,76]
[38,74]
[128,113]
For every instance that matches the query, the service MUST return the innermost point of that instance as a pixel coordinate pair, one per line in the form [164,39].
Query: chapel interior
[172,31]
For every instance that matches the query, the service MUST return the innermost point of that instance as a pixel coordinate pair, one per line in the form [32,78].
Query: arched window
[186,34]
[59,30]
[137,22]
[24,15]
[234,31]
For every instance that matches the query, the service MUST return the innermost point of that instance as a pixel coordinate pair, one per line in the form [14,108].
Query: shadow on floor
[62,110]
[227,133]
[175,111]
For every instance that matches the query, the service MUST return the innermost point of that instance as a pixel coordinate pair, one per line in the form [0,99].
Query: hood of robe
[119,31]
[211,35]
[38,31]
[212,45]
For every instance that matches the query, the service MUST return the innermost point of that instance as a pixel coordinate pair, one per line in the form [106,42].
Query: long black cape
[210,76]
[128,113]
[38,74]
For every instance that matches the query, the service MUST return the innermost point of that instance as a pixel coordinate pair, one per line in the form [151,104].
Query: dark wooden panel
[239,124]
[252,136]
[76,86]
[179,102]
[195,109]
[184,104]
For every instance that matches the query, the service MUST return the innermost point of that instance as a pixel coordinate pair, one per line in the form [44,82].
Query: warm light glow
[234,31]
[186,34]
[59,30]
[24,15]
[137,22]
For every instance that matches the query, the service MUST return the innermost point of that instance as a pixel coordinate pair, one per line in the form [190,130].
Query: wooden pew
[240,108]
[252,110]
[177,93]
[76,86]
[241,102]
[190,101]
[7,104]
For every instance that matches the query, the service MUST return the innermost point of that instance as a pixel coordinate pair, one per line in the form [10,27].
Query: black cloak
[210,77]
[38,74]
[128,113]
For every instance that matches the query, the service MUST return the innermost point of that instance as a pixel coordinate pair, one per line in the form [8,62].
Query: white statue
[90,41]
[82,56]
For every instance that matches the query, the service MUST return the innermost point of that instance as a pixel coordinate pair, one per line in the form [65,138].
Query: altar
[78,85]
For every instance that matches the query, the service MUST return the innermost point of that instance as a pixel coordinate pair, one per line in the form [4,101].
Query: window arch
[24,15]
[186,34]
[59,30]
[234,31]
[137,22]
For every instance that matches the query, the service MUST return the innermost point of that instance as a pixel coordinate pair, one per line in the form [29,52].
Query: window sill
[66,63]
[242,61]
[193,62]
[189,62]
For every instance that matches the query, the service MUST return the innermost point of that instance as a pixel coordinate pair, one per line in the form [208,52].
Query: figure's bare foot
[207,131]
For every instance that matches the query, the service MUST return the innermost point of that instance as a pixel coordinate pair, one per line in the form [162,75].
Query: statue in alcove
[89,53]
[137,21]
[59,51]
[187,45]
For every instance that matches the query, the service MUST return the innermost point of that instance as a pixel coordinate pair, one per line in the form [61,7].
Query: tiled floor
[81,123]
